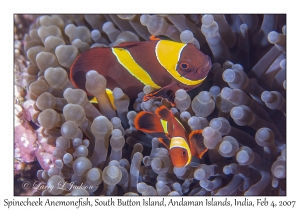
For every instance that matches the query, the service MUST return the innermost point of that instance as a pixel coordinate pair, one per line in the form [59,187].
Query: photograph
[150,105]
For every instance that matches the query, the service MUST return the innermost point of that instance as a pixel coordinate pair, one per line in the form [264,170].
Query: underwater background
[240,108]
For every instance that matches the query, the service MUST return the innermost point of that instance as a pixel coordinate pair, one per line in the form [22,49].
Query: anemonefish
[164,65]
[171,133]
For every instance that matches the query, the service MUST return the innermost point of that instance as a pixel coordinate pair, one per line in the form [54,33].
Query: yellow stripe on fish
[164,65]
[110,97]
[179,142]
[164,124]
[128,62]
[168,54]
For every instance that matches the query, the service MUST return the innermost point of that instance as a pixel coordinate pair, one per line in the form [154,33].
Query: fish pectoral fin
[198,148]
[94,101]
[195,161]
[167,92]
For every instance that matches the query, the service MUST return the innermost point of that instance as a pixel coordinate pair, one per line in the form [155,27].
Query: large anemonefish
[171,133]
[164,65]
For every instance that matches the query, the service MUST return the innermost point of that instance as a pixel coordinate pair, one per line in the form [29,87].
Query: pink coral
[44,152]
[29,110]
[25,142]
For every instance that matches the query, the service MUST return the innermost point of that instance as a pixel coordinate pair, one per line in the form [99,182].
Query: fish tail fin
[93,58]
[198,148]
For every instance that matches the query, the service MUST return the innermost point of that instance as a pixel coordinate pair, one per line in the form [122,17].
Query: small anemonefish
[164,65]
[171,133]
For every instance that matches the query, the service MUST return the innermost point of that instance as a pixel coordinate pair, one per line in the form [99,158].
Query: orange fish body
[171,133]
[164,65]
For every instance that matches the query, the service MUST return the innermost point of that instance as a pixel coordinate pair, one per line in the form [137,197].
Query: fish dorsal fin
[154,38]
[179,129]
[197,146]
[164,113]
[128,44]
[148,123]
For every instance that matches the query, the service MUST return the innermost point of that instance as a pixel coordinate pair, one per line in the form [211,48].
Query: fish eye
[184,66]
[183,153]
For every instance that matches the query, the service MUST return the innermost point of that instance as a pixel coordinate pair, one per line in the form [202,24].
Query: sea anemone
[240,107]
